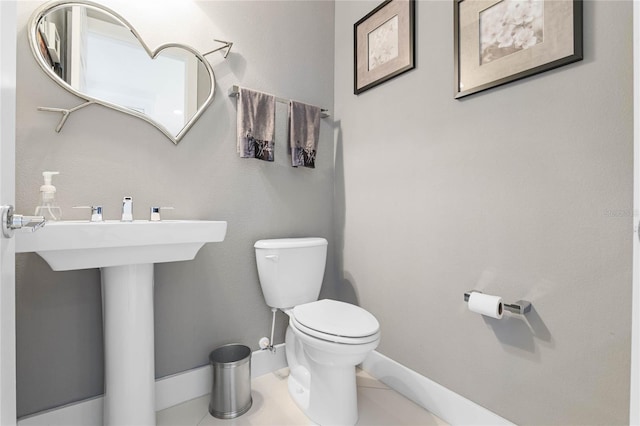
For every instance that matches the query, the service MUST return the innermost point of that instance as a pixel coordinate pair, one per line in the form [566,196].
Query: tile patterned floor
[378,405]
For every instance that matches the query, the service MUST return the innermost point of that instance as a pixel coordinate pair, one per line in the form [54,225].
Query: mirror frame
[33,43]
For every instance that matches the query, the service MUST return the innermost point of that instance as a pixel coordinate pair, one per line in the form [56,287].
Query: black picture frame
[481,79]
[401,41]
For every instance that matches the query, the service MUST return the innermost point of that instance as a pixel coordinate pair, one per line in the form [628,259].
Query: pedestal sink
[125,253]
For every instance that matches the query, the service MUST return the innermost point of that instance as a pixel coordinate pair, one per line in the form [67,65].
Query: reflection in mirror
[97,55]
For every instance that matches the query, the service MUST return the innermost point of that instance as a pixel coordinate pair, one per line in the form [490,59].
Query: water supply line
[273,326]
[268,343]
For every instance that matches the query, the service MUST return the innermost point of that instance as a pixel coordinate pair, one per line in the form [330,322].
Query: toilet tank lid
[284,243]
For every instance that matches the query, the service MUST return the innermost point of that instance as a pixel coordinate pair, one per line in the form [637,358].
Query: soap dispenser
[48,207]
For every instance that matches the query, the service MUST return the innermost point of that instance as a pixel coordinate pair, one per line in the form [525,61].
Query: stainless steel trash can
[231,390]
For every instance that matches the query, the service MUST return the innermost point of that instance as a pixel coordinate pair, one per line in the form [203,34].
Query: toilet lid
[336,318]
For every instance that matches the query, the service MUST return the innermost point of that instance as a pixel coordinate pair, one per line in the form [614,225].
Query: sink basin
[125,252]
[70,245]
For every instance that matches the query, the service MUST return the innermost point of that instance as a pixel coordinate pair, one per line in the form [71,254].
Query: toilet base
[330,398]
[333,396]
[321,382]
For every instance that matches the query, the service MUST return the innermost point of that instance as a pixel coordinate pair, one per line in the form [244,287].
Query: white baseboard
[181,387]
[83,413]
[171,390]
[444,403]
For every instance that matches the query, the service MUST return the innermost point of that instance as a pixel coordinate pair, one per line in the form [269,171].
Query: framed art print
[383,44]
[500,41]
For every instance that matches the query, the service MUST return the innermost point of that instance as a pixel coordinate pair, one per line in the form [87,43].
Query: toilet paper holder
[521,307]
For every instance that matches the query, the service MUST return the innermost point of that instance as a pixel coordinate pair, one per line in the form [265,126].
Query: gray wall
[524,191]
[285,48]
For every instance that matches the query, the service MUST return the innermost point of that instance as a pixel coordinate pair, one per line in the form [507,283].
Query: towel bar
[235,90]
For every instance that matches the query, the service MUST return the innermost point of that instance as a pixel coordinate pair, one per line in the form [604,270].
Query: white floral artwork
[510,26]
[383,43]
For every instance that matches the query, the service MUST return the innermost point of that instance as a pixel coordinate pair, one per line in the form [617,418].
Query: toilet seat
[335,321]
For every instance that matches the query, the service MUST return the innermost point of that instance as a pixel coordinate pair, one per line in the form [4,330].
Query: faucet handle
[155,213]
[96,212]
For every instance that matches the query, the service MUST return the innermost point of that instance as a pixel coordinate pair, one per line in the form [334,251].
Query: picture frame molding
[577,8]
[411,48]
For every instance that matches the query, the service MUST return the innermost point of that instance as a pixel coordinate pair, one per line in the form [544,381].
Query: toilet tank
[291,270]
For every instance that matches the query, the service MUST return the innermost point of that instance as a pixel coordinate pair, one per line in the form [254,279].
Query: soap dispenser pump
[47,207]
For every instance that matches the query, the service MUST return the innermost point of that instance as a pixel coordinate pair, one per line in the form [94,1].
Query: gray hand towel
[304,132]
[256,124]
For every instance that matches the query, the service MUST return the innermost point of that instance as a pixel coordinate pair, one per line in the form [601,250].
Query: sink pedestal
[125,252]
[129,397]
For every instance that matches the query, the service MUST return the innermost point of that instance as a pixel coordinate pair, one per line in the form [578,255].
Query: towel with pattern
[256,124]
[304,132]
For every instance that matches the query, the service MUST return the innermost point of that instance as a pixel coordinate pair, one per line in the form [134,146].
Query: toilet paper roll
[485,304]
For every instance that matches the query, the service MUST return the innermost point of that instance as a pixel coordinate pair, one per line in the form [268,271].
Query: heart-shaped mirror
[97,55]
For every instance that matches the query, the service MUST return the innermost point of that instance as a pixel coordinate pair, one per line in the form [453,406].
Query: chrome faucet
[96,212]
[11,221]
[127,209]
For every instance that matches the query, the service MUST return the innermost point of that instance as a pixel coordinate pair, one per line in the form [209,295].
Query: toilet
[325,339]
